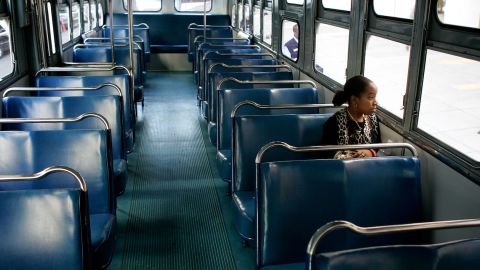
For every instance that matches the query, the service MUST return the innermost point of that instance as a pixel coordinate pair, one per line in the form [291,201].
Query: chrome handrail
[33,89]
[191,25]
[281,106]
[334,225]
[265,82]
[45,172]
[56,120]
[126,25]
[82,69]
[106,43]
[247,66]
[196,39]
[321,148]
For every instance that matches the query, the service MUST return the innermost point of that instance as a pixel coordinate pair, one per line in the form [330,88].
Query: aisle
[171,216]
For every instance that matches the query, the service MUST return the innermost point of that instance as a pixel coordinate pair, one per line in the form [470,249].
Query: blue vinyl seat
[85,151]
[251,133]
[55,232]
[73,106]
[228,98]
[296,197]
[92,81]
[211,31]
[141,30]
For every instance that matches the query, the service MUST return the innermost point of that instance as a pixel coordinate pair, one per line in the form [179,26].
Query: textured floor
[175,213]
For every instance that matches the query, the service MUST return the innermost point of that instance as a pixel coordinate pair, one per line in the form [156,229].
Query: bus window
[246,10]
[86,17]
[295,2]
[459,12]
[290,34]
[100,14]
[145,5]
[192,5]
[6,59]
[93,15]
[337,4]
[52,47]
[386,63]
[449,103]
[241,19]
[395,8]
[234,16]
[256,21]
[64,23]
[267,27]
[331,51]
[76,19]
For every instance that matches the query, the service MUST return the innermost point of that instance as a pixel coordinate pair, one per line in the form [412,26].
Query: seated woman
[356,124]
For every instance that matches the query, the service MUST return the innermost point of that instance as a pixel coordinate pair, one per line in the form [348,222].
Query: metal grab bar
[282,106]
[138,38]
[265,82]
[228,45]
[105,45]
[248,66]
[321,148]
[45,172]
[81,69]
[194,25]
[57,120]
[90,64]
[126,26]
[331,226]
[237,54]
[32,89]
[217,38]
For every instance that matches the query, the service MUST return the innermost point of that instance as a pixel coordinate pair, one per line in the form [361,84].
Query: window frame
[280,52]
[190,12]
[11,41]
[143,11]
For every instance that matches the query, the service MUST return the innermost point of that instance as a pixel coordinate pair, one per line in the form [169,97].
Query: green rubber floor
[175,213]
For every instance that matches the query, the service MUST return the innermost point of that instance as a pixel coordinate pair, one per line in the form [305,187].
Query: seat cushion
[224,161]
[244,202]
[102,234]
[120,175]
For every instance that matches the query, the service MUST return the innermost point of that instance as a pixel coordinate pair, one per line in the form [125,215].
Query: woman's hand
[363,153]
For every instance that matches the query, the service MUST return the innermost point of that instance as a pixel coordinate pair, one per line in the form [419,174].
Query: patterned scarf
[360,135]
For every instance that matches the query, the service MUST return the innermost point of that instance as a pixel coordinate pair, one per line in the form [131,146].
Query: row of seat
[79,120]
[283,184]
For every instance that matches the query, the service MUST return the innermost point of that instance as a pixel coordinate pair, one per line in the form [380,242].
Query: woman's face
[366,103]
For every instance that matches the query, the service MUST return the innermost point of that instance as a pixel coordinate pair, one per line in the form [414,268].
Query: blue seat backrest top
[252,132]
[297,197]
[62,107]
[42,229]
[82,150]
[461,254]
[165,38]
[92,81]
[268,96]
[142,32]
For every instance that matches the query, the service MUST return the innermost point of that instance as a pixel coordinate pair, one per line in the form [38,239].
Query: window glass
[337,4]
[386,63]
[64,23]
[234,15]
[459,12]
[449,108]
[192,5]
[331,51]
[248,27]
[53,48]
[267,27]
[93,15]
[6,57]
[100,14]
[256,22]
[290,34]
[86,17]
[146,5]
[395,8]
[295,2]
[241,22]
[76,19]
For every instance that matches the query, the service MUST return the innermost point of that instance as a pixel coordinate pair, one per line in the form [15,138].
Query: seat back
[44,228]
[194,32]
[252,132]
[63,107]
[296,197]
[122,32]
[228,98]
[92,81]
[461,254]
[85,151]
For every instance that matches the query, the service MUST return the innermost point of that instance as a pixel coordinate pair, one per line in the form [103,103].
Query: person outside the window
[290,48]
[356,124]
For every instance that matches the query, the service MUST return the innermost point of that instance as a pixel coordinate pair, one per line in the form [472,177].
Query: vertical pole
[38,7]
[204,20]
[130,42]
[110,13]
